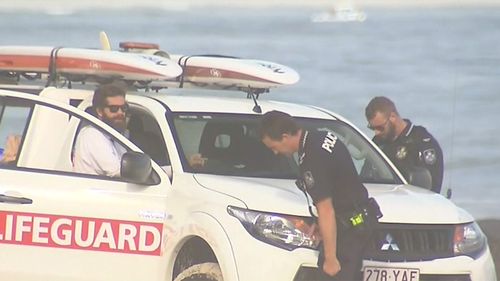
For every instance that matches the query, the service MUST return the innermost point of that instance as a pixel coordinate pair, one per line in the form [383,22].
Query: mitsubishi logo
[390,244]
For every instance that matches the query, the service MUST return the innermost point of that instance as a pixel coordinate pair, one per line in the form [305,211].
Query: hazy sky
[182,4]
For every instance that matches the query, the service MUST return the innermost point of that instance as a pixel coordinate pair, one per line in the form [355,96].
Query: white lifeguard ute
[239,217]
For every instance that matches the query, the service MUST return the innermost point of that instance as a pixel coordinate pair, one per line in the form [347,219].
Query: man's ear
[393,116]
[99,111]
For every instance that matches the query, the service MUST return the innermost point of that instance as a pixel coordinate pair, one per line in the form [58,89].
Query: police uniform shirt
[415,147]
[328,171]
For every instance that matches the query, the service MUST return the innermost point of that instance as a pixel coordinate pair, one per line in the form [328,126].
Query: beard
[118,123]
[390,135]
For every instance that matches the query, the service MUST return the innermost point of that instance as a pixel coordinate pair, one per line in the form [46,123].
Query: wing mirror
[136,167]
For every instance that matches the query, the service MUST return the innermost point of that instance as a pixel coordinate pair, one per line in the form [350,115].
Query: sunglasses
[378,127]
[114,108]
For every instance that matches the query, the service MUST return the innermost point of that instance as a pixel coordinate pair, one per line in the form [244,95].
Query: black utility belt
[370,210]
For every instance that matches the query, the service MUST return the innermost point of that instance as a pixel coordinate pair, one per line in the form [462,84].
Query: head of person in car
[110,106]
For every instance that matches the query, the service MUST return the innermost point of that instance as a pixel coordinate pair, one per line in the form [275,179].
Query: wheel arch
[205,241]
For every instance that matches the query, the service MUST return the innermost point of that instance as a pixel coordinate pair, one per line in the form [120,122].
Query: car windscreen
[229,144]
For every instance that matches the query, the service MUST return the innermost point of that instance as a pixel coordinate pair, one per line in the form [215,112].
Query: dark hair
[276,123]
[380,104]
[106,91]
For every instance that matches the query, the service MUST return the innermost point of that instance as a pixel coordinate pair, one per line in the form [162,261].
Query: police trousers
[351,243]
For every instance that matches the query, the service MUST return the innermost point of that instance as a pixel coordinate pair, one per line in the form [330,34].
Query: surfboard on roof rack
[87,62]
[215,71]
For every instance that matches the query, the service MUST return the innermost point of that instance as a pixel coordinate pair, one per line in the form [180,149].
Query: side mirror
[136,167]
[420,176]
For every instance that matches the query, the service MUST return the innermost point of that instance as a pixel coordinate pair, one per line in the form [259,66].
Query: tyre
[208,271]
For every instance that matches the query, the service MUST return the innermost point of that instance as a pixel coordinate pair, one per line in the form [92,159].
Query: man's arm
[328,230]
[95,154]
[108,160]
[431,157]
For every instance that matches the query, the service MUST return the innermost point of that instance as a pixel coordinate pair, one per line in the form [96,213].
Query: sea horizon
[62,6]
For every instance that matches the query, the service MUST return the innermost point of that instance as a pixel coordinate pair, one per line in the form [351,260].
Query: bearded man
[408,146]
[95,152]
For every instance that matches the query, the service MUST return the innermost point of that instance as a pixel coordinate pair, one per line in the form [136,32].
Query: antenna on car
[254,93]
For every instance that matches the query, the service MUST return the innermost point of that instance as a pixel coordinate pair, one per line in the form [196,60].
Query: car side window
[47,138]
[13,121]
[144,131]
[39,136]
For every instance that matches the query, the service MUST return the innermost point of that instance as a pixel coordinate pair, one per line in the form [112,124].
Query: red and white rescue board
[100,63]
[230,71]
[221,71]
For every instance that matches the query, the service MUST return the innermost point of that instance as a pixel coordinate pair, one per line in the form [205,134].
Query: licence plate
[390,274]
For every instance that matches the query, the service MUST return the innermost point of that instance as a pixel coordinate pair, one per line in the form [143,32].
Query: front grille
[410,242]
[444,277]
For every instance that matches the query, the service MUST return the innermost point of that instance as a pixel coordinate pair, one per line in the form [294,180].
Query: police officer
[329,176]
[407,145]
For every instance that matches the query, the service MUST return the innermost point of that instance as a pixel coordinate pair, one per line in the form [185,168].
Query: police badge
[430,156]
[308,179]
[401,152]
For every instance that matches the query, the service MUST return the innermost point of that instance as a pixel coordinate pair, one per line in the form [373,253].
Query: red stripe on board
[208,72]
[35,63]
[23,62]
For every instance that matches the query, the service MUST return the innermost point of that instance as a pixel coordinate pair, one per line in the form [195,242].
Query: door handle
[14,200]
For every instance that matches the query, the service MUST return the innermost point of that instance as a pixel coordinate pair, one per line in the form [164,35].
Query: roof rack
[143,66]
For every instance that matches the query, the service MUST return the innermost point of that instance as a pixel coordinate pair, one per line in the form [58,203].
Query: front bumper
[461,268]
[299,265]
[256,260]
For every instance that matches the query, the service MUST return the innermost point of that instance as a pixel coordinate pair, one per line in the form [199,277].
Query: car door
[56,224]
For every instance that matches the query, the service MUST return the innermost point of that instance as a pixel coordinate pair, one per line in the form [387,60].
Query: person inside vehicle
[220,142]
[408,146]
[197,161]
[11,150]
[95,152]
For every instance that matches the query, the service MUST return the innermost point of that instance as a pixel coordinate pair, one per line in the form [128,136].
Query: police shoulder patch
[429,156]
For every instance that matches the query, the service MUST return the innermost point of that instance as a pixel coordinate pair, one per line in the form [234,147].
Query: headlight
[287,232]
[468,240]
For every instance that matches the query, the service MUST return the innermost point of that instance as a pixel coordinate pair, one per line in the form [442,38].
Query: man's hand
[328,230]
[197,161]
[331,266]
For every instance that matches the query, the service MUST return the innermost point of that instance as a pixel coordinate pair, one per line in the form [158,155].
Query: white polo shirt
[96,153]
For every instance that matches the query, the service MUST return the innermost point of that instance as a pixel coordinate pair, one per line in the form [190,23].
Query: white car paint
[185,205]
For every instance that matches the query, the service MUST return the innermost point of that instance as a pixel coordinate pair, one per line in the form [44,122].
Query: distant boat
[340,14]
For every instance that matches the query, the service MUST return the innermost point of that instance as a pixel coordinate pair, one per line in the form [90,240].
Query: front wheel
[208,271]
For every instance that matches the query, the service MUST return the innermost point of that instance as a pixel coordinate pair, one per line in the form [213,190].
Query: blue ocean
[440,65]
